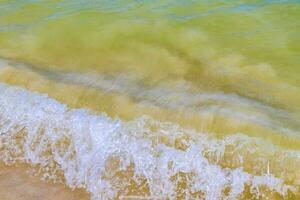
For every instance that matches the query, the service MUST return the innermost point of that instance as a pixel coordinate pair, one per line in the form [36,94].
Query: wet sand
[17,184]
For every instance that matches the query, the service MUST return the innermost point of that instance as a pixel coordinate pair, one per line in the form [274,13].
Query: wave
[111,158]
[183,97]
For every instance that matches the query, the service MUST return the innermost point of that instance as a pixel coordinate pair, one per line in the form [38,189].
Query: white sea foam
[39,130]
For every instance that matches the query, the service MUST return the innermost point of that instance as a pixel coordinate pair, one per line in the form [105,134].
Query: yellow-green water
[177,99]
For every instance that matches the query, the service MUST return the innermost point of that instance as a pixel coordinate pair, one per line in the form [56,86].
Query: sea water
[154,99]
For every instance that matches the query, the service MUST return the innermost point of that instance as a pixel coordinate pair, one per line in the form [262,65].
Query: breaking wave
[111,158]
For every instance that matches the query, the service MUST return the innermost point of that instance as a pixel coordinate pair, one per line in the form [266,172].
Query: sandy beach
[17,184]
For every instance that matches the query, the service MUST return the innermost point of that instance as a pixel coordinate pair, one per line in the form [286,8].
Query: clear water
[155,99]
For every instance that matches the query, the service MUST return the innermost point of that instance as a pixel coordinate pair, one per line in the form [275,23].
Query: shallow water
[154,99]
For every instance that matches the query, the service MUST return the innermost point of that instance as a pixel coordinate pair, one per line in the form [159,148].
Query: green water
[222,68]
